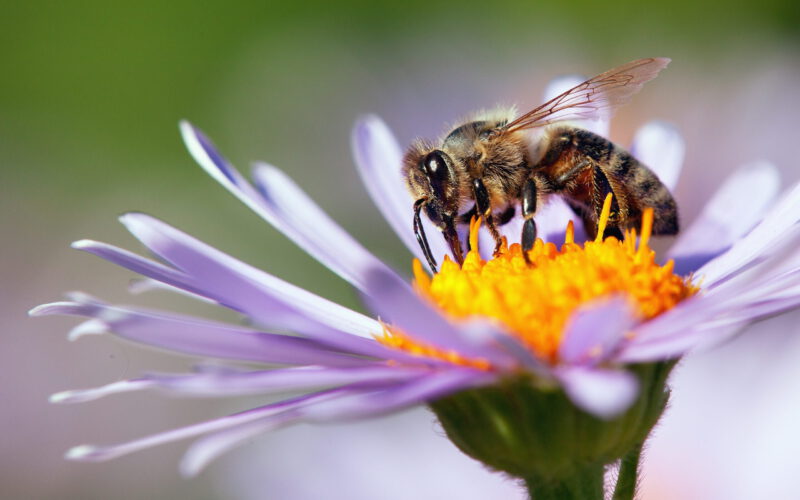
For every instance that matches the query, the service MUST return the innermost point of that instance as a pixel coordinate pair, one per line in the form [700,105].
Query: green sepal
[533,431]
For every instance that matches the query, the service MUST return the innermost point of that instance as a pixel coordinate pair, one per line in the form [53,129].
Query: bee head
[430,176]
[432,180]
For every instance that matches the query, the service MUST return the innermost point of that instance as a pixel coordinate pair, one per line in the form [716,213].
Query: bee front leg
[484,206]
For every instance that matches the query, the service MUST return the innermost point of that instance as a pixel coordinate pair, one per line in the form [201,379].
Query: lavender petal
[199,337]
[303,221]
[416,391]
[758,243]
[552,220]
[601,392]
[270,301]
[90,453]
[401,307]
[347,405]
[725,219]
[661,147]
[675,346]
[139,264]
[205,450]
[85,395]
[240,383]
[254,289]
[379,159]
[595,330]
[340,253]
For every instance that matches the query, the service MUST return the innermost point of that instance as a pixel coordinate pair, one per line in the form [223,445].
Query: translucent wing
[605,92]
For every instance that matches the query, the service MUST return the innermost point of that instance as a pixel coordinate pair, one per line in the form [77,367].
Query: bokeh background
[90,96]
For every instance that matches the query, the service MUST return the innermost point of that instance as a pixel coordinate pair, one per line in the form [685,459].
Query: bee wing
[604,92]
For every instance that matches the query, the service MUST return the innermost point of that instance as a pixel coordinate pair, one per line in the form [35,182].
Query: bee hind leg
[602,188]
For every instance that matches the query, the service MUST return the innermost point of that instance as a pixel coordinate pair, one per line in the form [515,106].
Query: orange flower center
[534,300]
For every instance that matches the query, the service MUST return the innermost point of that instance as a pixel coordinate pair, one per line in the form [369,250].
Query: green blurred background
[90,96]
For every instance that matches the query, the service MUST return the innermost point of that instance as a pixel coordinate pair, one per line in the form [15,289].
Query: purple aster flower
[464,351]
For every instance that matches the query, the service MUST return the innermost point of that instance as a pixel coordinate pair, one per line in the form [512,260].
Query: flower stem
[628,478]
[585,484]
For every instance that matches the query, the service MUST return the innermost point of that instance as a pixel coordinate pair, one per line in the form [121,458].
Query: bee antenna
[419,232]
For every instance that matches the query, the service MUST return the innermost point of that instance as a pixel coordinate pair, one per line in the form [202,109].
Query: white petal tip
[133,219]
[659,130]
[81,297]
[85,453]
[368,119]
[187,130]
[368,129]
[43,310]
[84,395]
[140,286]
[62,397]
[91,327]
[82,244]
[603,393]
[190,468]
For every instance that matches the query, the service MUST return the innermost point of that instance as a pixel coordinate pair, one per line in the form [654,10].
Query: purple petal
[205,450]
[552,220]
[675,346]
[401,307]
[287,208]
[303,221]
[254,290]
[776,226]
[661,147]
[721,312]
[725,219]
[347,405]
[697,314]
[714,316]
[198,337]
[286,380]
[270,301]
[143,285]
[595,330]
[560,85]
[239,383]
[254,303]
[139,264]
[89,453]
[379,158]
[601,392]
[417,391]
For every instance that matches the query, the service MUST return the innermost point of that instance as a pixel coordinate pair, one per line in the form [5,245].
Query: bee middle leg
[529,194]
[484,209]
[500,219]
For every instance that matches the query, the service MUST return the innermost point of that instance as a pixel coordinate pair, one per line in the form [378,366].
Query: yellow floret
[535,299]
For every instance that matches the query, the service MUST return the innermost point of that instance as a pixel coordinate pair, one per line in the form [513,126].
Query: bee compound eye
[438,173]
[435,166]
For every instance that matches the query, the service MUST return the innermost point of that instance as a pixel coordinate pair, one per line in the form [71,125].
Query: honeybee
[494,164]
